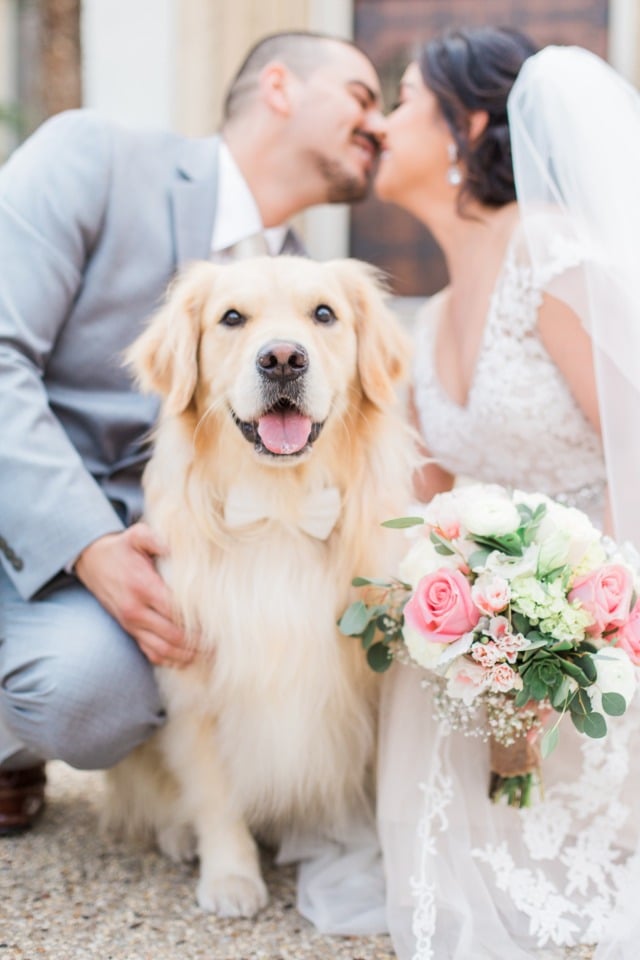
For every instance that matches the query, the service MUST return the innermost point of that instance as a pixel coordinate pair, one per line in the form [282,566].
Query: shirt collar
[237,214]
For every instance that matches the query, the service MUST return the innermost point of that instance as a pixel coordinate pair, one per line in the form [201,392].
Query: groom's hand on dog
[120,570]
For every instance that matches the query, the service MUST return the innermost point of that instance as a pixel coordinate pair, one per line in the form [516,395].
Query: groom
[94,223]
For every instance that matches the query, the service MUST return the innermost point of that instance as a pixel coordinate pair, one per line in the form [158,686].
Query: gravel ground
[66,893]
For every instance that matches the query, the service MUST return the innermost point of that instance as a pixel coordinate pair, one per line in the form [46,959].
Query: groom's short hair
[301,51]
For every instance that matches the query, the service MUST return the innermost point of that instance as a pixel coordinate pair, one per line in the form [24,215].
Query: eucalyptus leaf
[595,725]
[578,721]
[444,551]
[539,512]
[581,703]
[478,558]
[441,545]
[401,523]
[368,635]
[562,697]
[588,665]
[526,513]
[549,741]
[379,657]
[614,704]
[366,581]
[576,672]
[376,609]
[354,619]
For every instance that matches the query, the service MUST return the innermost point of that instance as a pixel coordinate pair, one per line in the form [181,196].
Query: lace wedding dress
[468,879]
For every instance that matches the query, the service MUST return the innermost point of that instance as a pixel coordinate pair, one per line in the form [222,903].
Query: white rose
[423,559]
[573,522]
[615,674]
[425,653]
[575,528]
[489,515]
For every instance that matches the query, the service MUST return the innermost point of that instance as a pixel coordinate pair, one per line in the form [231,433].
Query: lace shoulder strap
[548,240]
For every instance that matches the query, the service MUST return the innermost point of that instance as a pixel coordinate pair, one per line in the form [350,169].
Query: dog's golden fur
[274,723]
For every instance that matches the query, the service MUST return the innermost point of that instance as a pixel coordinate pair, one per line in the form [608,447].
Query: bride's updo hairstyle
[474,69]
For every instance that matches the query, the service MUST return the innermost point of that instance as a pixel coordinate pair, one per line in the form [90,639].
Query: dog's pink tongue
[284,432]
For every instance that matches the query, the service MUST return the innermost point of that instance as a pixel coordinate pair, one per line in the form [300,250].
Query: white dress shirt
[237,215]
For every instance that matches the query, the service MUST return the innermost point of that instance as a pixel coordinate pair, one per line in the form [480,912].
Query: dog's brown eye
[324,314]
[232,318]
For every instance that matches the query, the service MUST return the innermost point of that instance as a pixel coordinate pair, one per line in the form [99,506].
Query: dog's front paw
[233,896]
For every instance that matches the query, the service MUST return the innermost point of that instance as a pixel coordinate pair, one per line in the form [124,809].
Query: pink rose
[441,607]
[628,636]
[606,595]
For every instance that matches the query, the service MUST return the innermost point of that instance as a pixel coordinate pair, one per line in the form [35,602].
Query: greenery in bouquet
[516,604]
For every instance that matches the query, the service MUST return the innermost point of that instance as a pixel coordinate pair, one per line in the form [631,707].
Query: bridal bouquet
[514,603]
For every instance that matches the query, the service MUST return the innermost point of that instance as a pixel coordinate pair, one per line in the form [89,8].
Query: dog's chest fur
[289,696]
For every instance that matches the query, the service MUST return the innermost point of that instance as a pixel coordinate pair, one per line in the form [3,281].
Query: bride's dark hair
[474,69]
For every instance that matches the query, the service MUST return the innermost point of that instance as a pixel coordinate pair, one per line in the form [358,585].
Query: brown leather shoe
[21,798]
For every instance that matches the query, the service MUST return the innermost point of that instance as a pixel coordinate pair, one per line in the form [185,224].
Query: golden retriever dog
[279,450]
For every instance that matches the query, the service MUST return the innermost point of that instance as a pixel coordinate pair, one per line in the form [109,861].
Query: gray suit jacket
[94,222]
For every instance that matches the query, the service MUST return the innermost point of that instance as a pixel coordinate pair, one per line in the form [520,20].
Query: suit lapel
[193,199]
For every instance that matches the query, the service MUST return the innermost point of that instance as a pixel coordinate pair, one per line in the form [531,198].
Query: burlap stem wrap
[516,760]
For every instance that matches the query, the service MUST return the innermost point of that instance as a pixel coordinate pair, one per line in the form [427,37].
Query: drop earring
[454,174]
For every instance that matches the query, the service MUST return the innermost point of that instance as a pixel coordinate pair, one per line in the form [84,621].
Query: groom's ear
[478,121]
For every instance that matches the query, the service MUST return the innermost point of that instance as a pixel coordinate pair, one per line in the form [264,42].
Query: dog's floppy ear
[383,346]
[164,358]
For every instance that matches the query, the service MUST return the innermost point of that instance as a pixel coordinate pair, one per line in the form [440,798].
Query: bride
[527,372]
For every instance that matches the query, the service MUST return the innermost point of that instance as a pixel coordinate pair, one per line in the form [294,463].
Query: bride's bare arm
[430,478]
[569,346]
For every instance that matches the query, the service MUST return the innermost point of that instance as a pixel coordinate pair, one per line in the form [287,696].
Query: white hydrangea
[546,605]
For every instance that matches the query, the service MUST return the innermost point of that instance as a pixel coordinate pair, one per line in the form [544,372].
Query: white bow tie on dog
[317,516]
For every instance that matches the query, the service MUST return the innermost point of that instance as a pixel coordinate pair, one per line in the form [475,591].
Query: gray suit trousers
[73,685]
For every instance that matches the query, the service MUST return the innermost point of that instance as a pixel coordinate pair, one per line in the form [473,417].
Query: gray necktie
[253,246]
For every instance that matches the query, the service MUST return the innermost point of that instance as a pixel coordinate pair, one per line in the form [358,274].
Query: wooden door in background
[390,31]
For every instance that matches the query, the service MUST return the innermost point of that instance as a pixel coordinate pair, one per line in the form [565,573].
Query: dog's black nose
[282,360]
